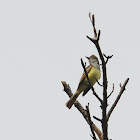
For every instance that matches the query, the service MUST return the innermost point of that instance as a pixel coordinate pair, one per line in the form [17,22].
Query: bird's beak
[87,57]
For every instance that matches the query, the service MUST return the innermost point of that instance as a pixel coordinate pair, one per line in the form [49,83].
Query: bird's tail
[72,100]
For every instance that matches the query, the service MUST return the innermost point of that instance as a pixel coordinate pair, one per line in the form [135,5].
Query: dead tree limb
[111,91]
[117,99]
[77,104]
[95,40]
[90,123]
[107,58]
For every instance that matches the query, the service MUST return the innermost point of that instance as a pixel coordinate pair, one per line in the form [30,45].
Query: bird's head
[93,60]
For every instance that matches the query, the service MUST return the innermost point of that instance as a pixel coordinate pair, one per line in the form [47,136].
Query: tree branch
[117,99]
[107,58]
[90,123]
[96,118]
[95,40]
[99,83]
[67,89]
[111,91]
[93,24]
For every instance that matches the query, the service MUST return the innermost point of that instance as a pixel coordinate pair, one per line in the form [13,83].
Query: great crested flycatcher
[94,74]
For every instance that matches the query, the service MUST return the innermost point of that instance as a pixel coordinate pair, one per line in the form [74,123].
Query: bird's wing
[86,91]
[88,68]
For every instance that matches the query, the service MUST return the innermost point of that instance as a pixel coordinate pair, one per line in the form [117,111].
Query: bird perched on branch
[94,74]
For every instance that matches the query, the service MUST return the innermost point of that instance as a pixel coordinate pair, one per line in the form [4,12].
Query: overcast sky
[41,43]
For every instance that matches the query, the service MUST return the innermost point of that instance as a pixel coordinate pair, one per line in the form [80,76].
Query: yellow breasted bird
[94,74]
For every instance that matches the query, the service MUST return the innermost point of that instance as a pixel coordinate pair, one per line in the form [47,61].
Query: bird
[94,75]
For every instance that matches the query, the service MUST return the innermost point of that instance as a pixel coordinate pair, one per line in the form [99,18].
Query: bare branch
[90,82]
[98,35]
[91,39]
[85,64]
[107,58]
[117,99]
[95,40]
[92,19]
[111,91]
[99,83]
[96,118]
[77,104]
[90,123]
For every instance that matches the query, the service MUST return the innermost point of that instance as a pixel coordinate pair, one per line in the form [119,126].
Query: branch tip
[99,32]
[90,123]
[99,83]
[107,57]
[96,118]
[117,99]
[111,91]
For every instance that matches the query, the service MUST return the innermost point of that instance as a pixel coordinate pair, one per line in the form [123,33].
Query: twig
[96,118]
[98,37]
[117,99]
[85,64]
[90,123]
[93,24]
[90,82]
[107,58]
[111,91]
[77,104]
[99,83]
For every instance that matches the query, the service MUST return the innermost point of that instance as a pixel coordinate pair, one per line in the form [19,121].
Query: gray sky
[41,43]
